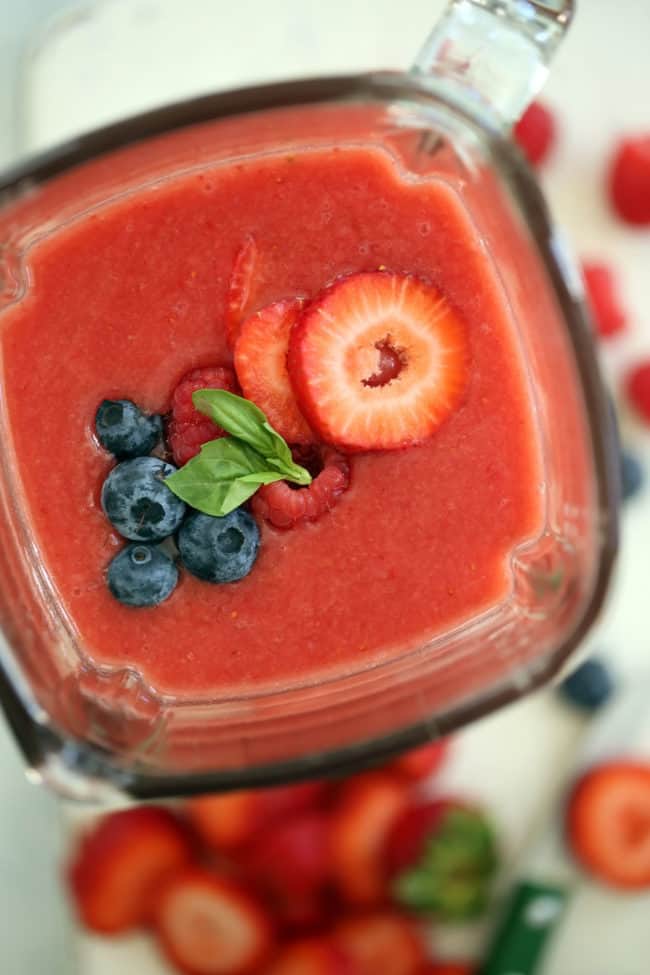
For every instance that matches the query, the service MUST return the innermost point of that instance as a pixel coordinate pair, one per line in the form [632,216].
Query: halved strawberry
[261,366]
[209,926]
[118,866]
[360,824]
[313,956]
[420,763]
[229,821]
[608,823]
[240,288]
[385,943]
[378,361]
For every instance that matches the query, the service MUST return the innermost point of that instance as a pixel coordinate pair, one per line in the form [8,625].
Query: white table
[93,70]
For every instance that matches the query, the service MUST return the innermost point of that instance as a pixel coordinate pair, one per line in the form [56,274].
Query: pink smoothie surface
[128,297]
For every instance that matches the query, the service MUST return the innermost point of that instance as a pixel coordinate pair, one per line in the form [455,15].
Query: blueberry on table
[138,503]
[142,575]
[632,476]
[590,686]
[219,549]
[124,430]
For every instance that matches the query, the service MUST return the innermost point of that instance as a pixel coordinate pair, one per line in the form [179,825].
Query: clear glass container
[89,729]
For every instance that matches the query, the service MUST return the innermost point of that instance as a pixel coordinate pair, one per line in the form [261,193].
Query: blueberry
[590,686]
[124,430]
[219,549]
[632,475]
[142,575]
[138,503]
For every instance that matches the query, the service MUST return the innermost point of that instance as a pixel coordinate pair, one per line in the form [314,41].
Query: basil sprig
[230,469]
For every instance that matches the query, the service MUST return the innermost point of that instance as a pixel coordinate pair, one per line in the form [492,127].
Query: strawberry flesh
[608,824]
[385,942]
[261,366]
[367,808]
[378,361]
[535,133]
[209,926]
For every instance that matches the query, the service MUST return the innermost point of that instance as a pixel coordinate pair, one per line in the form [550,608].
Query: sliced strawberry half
[313,956]
[209,926]
[229,821]
[629,179]
[608,824]
[602,293]
[420,763]
[386,942]
[378,361]
[367,808]
[261,365]
[118,866]
[240,288]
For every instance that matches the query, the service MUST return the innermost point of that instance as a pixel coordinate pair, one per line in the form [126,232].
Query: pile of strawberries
[319,878]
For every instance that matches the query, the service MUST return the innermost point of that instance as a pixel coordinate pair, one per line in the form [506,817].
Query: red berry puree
[128,297]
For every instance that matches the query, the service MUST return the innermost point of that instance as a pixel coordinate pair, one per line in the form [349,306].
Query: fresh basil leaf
[246,422]
[238,417]
[221,477]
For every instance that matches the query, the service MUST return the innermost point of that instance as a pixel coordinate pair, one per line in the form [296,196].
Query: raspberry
[535,133]
[286,507]
[637,387]
[609,318]
[189,429]
[629,180]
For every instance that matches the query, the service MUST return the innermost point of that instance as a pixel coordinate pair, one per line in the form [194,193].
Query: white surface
[136,53]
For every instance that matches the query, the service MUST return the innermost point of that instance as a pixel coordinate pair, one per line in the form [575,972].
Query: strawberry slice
[384,942]
[209,926]
[420,763]
[629,180]
[367,808]
[378,361]
[118,866]
[608,824]
[229,821]
[240,288]
[261,366]
[313,956]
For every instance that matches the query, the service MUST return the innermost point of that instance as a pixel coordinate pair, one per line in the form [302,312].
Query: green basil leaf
[238,417]
[247,423]
[221,477]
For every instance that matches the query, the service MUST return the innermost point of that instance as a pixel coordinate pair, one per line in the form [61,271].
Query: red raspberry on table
[600,283]
[286,507]
[535,133]
[629,180]
[188,428]
[637,387]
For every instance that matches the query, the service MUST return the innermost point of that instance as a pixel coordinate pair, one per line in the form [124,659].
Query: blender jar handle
[492,56]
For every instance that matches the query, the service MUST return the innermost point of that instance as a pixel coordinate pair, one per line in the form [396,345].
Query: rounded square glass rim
[42,742]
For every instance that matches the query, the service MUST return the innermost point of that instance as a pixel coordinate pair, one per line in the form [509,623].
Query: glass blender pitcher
[90,726]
